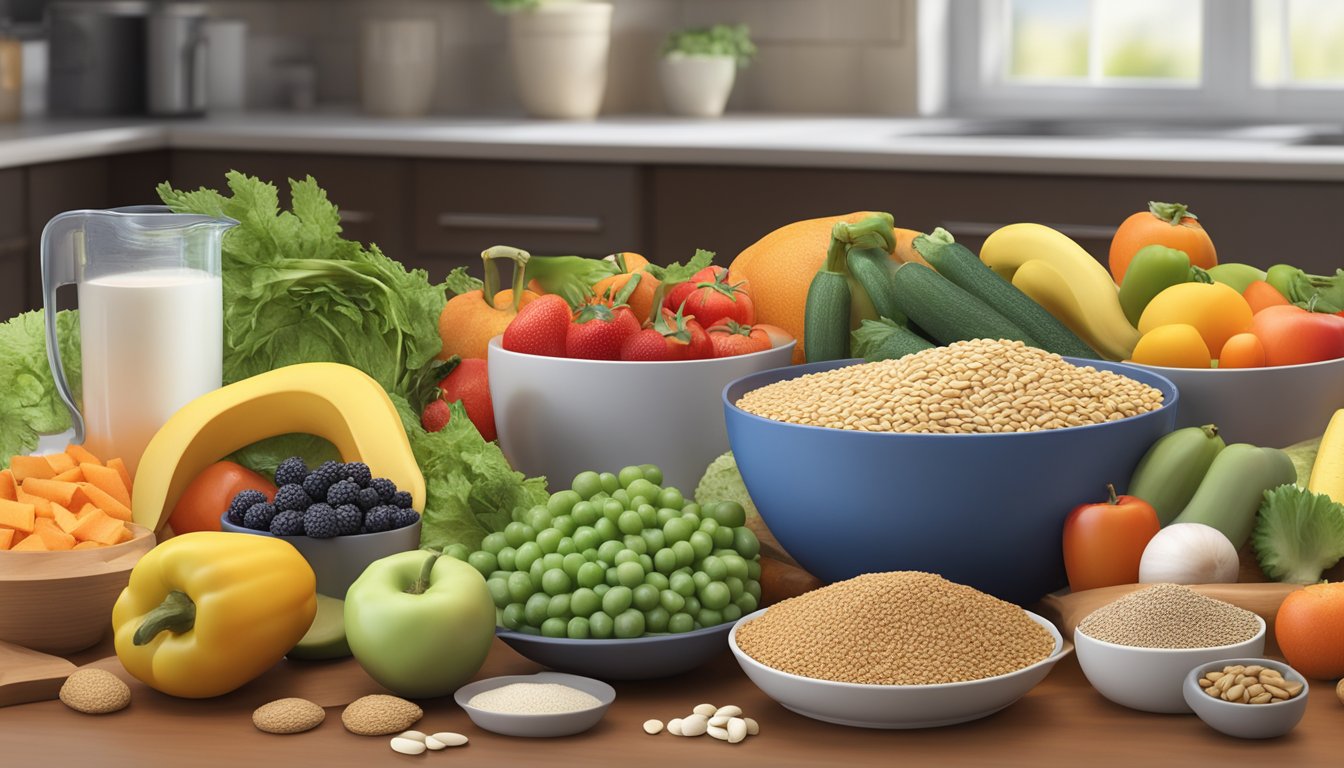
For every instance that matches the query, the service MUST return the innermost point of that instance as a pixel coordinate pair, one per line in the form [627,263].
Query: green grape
[585,513]
[505,559]
[736,565]
[678,529]
[609,550]
[607,530]
[702,544]
[590,575]
[554,628]
[572,563]
[680,622]
[561,502]
[584,602]
[648,516]
[638,501]
[691,509]
[671,601]
[590,554]
[457,551]
[535,609]
[565,525]
[730,513]
[714,596]
[644,597]
[558,606]
[671,498]
[601,625]
[652,473]
[746,603]
[520,586]
[610,483]
[635,543]
[601,589]
[665,514]
[527,554]
[714,567]
[692,605]
[746,543]
[539,518]
[724,537]
[731,612]
[556,581]
[549,540]
[629,623]
[622,497]
[709,618]
[642,487]
[494,542]
[682,584]
[709,525]
[516,533]
[753,568]
[630,574]
[736,587]
[587,484]
[483,561]
[513,616]
[629,522]
[658,580]
[499,591]
[701,580]
[754,589]
[655,620]
[625,556]
[646,563]
[578,628]
[617,599]
[553,561]
[665,560]
[628,475]
[535,573]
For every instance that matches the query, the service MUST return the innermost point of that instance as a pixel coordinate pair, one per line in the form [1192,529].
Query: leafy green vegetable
[884,339]
[722,482]
[459,281]
[470,488]
[295,291]
[1298,534]
[570,276]
[29,405]
[1317,293]
[732,40]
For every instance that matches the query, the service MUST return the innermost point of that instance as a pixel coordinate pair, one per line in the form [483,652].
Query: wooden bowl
[61,602]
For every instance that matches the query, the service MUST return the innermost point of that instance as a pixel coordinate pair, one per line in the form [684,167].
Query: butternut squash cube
[65,519]
[30,544]
[6,538]
[25,467]
[60,462]
[106,502]
[120,467]
[43,506]
[108,480]
[17,515]
[81,455]
[100,527]
[52,535]
[7,486]
[87,545]
[75,475]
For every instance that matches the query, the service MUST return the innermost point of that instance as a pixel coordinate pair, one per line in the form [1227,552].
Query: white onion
[1189,553]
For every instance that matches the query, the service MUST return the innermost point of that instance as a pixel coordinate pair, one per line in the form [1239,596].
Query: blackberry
[401,499]
[359,472]
[343,492]
[404,517]
[292,497]
[385,488]
[321,479]
[378,519]
[287,523]
[242,502]
[258,517]
[291,471]
[319,521]
[367,499]
[349,519]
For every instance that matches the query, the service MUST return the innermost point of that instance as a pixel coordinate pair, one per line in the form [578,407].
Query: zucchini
[1230,494]
[883,339]
[871,269]
[826,314]
[956,263]
[946,312]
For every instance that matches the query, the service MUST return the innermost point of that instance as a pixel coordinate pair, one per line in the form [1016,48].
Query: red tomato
[732,339]
[711,299]
[1103,543]
[469,382]
[208,495]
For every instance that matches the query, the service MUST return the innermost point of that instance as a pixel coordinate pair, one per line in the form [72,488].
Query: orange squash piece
[87,545]
[8,486]
[42,505]
[6,538]
[81,455]
[126,534]
[65,519]
[52,535]
[86,510]
[75,475]
[30,544]
[52,490]
[108,480]
[60,462]
[125,473]
[100,527]
[17,515]
[25,467]
[104,501]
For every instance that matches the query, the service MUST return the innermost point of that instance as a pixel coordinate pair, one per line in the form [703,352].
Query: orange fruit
[641,300]
[779,268]
[467,323]
[1309,628]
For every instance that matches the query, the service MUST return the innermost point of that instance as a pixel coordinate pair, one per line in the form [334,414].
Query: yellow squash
[208,612]
[1327,474]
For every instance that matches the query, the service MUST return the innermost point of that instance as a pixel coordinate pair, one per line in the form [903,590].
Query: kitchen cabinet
[463,207]
[726,209]
[13,244]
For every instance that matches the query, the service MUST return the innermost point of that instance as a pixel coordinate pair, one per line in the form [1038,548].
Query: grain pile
[1170,616]
[970,386]
[534,699]
[900,628]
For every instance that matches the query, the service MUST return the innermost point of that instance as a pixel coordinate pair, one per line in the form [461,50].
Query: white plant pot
[560,58]
[697,86]
[398,66]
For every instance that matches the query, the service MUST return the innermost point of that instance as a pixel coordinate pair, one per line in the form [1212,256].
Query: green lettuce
[29,405]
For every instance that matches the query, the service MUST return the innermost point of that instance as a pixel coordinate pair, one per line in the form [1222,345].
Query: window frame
[1227,90]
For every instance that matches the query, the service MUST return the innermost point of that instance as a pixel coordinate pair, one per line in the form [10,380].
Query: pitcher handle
[60,266]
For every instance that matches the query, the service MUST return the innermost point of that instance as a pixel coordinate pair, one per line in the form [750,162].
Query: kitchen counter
[1062,721]
[738,140]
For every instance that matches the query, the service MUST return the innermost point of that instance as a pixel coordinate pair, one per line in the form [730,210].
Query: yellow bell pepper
[207,612]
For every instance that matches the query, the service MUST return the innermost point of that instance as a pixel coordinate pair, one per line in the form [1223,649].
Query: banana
[1170,472]
[337,402]
[1044,283]
[1327,474]
[1080,291]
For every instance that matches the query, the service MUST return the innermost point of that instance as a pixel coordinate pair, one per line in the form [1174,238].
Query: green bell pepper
[1154,269]
[1236,276]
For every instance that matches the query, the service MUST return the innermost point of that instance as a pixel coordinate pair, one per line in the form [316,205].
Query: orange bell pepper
[1260,294]
[468,322]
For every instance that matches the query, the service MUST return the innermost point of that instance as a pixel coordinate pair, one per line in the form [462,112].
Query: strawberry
[598,330]
[700,348]
[539,328]
[711,299]
[469,382]
[668,339]
[435,415]
[731,339]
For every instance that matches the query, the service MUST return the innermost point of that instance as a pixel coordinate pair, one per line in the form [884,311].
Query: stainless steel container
[176,59]
[96,63]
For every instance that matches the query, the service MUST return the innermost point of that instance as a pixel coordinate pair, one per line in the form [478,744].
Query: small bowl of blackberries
[338,515]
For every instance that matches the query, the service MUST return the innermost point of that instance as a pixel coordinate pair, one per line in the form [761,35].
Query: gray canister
[176,59]
[96,58]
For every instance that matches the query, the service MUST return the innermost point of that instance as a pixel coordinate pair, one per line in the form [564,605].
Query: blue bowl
[636,658]
[986,510]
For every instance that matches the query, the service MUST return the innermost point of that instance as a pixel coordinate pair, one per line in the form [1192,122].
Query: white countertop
[780,141]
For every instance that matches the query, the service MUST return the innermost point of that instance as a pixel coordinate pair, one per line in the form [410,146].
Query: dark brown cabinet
[14,257]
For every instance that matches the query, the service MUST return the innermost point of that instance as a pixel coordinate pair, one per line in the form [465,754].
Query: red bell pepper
[1293,335]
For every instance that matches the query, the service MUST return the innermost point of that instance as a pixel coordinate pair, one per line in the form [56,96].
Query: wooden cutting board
[27,675]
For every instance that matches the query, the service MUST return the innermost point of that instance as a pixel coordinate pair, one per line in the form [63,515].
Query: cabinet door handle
[356,217]
[985,229]
[519,222]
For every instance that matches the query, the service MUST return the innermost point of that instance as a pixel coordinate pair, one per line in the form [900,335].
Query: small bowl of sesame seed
[1137,650]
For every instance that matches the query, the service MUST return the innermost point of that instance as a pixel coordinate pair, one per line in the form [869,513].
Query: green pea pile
[620,556]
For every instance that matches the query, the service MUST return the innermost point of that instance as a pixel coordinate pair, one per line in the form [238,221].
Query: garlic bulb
[1189,553]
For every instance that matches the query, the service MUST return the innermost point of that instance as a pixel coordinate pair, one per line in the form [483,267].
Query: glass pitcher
[151,324]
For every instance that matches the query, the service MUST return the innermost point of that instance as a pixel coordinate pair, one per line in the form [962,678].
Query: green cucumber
[884,339]
[956,263]
[871,269]
[1231,492]
[1171,471]
[946,312]
[826,317]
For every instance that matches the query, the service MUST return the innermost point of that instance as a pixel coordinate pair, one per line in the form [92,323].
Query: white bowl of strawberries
[593,389]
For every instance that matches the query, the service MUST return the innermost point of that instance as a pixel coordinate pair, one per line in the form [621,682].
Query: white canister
[697,86]
[226,68]
[400,61]
[560,58]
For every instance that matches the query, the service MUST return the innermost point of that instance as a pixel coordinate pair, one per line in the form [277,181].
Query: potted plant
[559,51]
[699,66]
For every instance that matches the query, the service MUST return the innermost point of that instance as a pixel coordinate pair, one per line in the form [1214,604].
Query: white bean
[449,739]
[408,746]
[652,727]
[753,727]
[719,721]
[694,725]
[708,710]
[674,726]
[737,730]
[732,710]
[719,733]
[415,735]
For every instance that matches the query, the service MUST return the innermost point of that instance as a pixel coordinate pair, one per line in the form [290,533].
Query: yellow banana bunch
[1327,474]
[1062,277]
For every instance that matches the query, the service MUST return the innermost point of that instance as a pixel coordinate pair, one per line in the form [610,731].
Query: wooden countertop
[1061,721]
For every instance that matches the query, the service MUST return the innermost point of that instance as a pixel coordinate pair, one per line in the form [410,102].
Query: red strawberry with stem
[435,415]
[599,330]
[668,339]
[711,299]
[539,328]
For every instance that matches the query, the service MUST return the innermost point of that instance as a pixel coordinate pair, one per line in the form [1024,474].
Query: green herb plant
[732,40]
[513,6]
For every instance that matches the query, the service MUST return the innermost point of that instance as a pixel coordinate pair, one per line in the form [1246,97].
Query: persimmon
[1169,224]
[1309,628]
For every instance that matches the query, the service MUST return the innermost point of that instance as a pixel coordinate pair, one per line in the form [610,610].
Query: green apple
[326,637]
[420,623]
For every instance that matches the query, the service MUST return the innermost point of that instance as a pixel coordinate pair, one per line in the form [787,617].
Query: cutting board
[30,676]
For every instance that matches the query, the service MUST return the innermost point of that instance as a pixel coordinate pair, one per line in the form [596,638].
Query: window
[1141,59]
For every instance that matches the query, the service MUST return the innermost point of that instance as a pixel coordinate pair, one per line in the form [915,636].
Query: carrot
[125,473]
[25,467]
[108,480]
[52,535]
[65,519]
[73,475]
[82,455]
[18,516]
[106,502]
[6,538]
[51,490]
[7,485]
[1169,224]
[40,504]
[99,527]
[1260,294]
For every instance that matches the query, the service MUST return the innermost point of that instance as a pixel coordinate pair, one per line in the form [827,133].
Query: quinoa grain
[1173,616]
